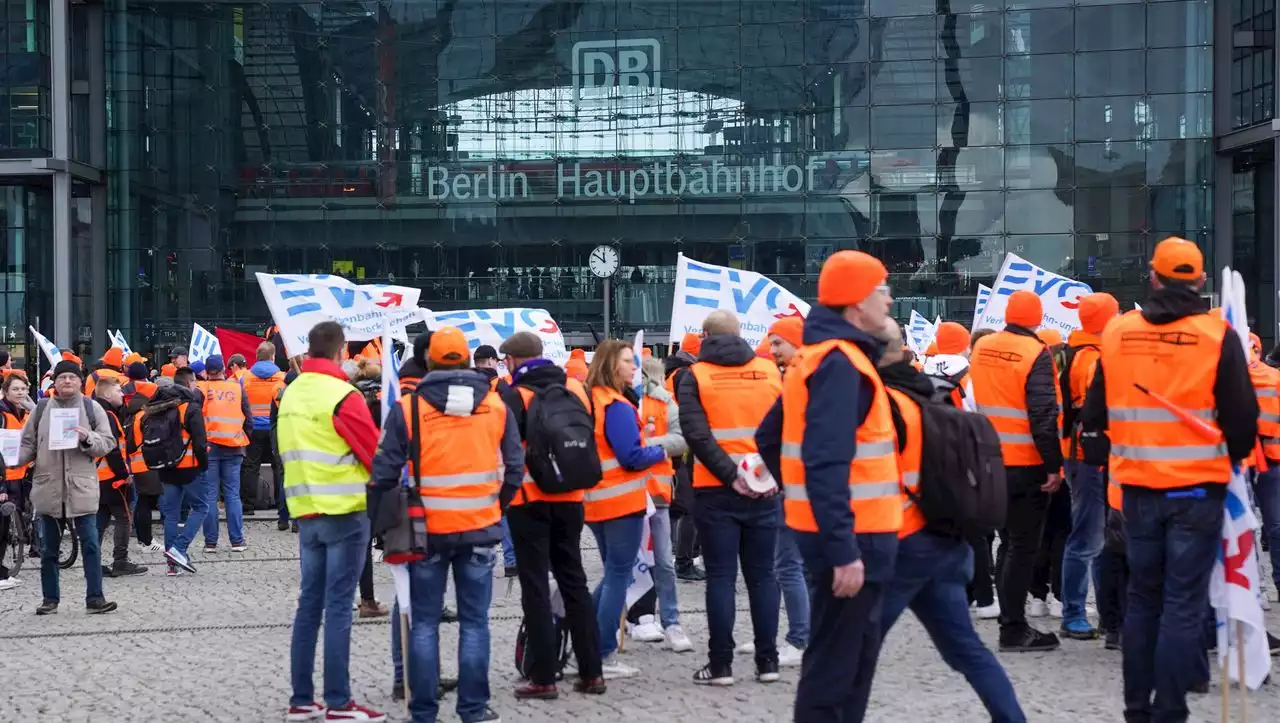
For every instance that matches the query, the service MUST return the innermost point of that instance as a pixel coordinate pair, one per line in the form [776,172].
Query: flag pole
[1225,680]
[1244,693]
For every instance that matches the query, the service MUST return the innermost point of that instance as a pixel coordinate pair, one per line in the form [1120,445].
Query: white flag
[637,349]
[204,344]
[641,575]
[756,299]
[51,351]
[390,373]
[300,301]
[117,340]
[494,326]
[1059,295]
[918,333]
[984,295]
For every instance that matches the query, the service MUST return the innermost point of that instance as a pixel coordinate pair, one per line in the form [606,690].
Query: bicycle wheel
[12,547]
[69,550]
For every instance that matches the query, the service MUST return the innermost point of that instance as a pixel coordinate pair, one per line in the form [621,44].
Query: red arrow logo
[551,327]
[1234,563]
[390,300]
[789,312]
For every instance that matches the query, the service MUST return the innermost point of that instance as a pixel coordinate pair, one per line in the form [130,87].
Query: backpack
[962,488]
[560,438]
[945,384]
[162,444]
[525,667]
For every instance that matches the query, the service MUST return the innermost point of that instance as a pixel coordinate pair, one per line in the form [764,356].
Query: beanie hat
[691,343]
[484,351]
[1024,309]
[114,357]
[1096,310]
[578,354]
[67,367]
[576,368]
[134,357]
[1050,337]
[849,277]
[952,338]
[68,355]
[138,371]
[169,370]
[790,330]
[1255,343]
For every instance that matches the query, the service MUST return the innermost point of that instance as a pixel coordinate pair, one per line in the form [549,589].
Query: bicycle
[25,534]
[13,545]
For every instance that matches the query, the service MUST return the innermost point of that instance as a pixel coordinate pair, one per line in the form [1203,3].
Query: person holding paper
[12,415]
[66,480]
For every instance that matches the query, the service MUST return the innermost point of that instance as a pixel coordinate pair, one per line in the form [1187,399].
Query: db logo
[622,63]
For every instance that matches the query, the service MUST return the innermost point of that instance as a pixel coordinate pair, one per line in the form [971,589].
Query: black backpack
[560,437]
[525,667]
[163,446]
[962,481]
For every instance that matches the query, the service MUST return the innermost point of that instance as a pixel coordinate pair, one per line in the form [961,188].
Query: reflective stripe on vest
[321,474]
[597,494]
[601,502]
[734,400]
[998,369]
[223,413]
[909,461]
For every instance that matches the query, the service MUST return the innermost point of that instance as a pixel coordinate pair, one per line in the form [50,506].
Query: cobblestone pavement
[215,647]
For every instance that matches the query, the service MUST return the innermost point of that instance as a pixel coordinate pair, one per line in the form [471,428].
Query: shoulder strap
[38,413]
[415,441]
[88,413]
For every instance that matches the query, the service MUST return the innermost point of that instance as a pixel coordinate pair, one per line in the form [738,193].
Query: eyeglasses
[883,289]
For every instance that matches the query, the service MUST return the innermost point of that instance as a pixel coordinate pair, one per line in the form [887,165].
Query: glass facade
[479,149]
[24,89]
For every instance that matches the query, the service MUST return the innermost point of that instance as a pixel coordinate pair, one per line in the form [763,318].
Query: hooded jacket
[1233,393]
[65,482]
[678,362]
[172,396]
[442,390]
[840,398]
[724,350]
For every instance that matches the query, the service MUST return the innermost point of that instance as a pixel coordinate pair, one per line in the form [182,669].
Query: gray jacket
[65,482]
[673,440]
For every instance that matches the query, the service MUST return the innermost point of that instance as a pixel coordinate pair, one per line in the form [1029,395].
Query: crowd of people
[829,464]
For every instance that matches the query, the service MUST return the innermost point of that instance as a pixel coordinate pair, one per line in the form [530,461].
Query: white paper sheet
[10,445]
[62,428]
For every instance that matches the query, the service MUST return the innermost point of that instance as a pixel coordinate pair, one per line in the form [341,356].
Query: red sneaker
[352,711]
[304,713]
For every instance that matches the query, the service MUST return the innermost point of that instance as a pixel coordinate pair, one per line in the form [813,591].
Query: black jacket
[172,396]
[904,377]
[1233,393]
[1042,403]
[677,364]
[724,350]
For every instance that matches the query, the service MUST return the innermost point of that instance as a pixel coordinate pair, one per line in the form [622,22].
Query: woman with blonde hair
[615,508]
[366,376]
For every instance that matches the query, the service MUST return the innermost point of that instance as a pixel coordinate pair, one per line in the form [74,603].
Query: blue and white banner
[984,295]
[1059,295]
[390,373]
[637,350]
[757,300]
[204,344]
[494,326]
[920,333]
[51,351]
[300,301]
[117,340]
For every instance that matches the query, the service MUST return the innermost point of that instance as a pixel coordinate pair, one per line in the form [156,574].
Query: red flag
[238,342]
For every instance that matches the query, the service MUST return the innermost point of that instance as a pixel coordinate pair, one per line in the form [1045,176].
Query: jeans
[930,579]
[1024,529]
[737,529]
[332,554]
[1266,489]
[224,472]
[619,542]
[788,566]
[508,549]
[473,575]
[1172,546]
[844,645]
[1084,543]
[664,567]
[86,527]
[171,501]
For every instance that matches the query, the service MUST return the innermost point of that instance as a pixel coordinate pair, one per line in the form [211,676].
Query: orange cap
[1024,309]
[114,357]
[952,338]
[576,367]
[790,330]
[169,370]
[1178,258]
[849,277]
[449,346]
[1050,337]
[1255,341]
[1096,310]
[691,343]
[134,357]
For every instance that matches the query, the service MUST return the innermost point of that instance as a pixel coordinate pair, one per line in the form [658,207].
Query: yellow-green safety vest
[321,474]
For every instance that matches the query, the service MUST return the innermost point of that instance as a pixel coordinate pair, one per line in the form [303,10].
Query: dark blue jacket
[839,399]
[622,430]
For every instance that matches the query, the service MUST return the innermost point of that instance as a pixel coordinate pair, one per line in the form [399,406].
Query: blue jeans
[1266,489]
[1084,544]
[473,575]
[619,543]
[224,472]
[1172,545]
[172,500]
[664,567]
[508,549]
[86,527]
[930,579]
[789,568]
[332,548]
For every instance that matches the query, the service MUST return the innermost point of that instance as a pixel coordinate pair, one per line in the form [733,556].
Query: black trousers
[258,453]
[366,575]
[547,537]
[982,587]
[112,505]
[840,661]
[1047,577]
[142,515]
[1024,529]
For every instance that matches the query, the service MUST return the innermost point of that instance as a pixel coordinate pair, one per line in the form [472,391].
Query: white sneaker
[789,656]
[8,583]
[745,649]
[613,670]
[677,641]
[1037,608]
[988,612]
[647,630]
[1055,607]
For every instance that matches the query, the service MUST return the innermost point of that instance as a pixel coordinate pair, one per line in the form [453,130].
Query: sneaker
[304,712]
[1037,608]
[767,672]
[711,675]
[595,686]
[172,570]
[613,669]
[789,656]
[240,546]
[155,546]
[8,583]
[210,548]
[126,568]
[176,557]
[987,612]
[293,527]
[745,649]
[282,525]
[48,607]
[1079,630]
[354,711]
[1055,607]
[677,641]
[1111,641]
[99,607]
[534,691]
[488,716]
[647,630]
[690,572]
[373,609]
[1028,640]
[107,571]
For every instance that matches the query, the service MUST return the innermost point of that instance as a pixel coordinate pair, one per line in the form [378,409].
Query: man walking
[179,455]
[228,424]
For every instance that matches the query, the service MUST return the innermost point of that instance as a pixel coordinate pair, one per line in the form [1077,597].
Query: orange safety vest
[409,384]
[493,383]
[909,462]
[1266,384]
[1084,363]
[670,383]
[999,368]
[224,413]
[137,464]
[1150,446]
[529,490]
[92,382]
[14,474]
[735,399]
[875,488]
[459,465]
[104,469]
[262,393]
[621,492]
[662,475]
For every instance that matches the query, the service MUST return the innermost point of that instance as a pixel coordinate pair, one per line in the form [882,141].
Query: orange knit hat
[952,338]
[691,343]
[1024,309]
[848,277]
[1050,337]
[790,330]
[114,357]
[1096,310]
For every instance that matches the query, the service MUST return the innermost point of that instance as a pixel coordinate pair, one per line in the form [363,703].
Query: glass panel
[1041,32]
[1175,24]
[1110,27]
[1039,76]
[903,126]
[972,79]
[1111,209]
[1039,166]
[910,38]
[1176,70]
[1042,121]
[1115,73]
[1171,163]
[1110,164]
[1182,209]
[909,81]
[1038,211]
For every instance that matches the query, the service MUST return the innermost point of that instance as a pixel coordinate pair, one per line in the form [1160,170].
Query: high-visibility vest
[999,368]
[14,474]
[224,413]
[322,476]
[1150,446]
[493,383]
[620,492]
[458,465]
[670,383]
[909,462]
[136,462]
[1266,384]
[1115,494]
[142,388]
[735,399]
[104,468]
[529,490]
[262,393]
[409,384]
[92,382]
[875,488]
[1084,363]
[662,475]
